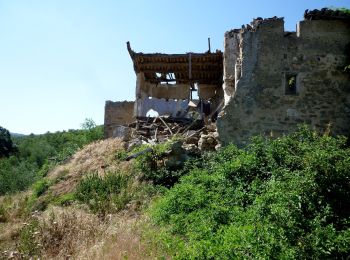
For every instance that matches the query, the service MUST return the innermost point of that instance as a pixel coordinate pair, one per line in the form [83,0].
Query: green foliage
[103,194]
[65,199]
[343,9]
[37,154]
[40,187]
[121,155]
[287,198]
[152,166]
[94,132]
[16,175]
[6,145]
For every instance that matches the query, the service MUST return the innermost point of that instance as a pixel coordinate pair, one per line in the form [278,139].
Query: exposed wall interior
[166,83]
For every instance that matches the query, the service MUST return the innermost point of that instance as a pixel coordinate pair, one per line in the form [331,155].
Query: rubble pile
[196,136]
[160,129]
[209,141]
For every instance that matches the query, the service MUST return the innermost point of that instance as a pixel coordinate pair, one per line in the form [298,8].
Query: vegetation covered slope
[285,198]
[84,208]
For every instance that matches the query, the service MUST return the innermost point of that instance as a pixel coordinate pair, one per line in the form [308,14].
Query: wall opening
[166,78]
[194,92]
[152,113]
[291,84]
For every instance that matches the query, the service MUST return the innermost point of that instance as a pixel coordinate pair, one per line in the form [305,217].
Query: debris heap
[197,136]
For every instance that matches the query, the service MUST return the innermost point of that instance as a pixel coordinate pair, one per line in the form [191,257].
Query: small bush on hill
[153,166]
[283,198]
[103,194]
[40,187]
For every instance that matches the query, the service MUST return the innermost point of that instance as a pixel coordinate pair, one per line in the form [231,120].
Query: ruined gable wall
[259,65]
[117,113]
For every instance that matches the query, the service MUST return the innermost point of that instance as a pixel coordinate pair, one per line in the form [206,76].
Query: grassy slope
[49,220]
[287,198]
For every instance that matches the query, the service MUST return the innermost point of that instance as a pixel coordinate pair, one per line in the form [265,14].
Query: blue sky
[60,60]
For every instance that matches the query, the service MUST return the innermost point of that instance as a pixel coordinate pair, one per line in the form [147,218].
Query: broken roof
[202,68]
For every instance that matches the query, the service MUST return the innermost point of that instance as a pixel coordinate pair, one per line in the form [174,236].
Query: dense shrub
[16,175]
[153,164]
[282,198]
[103,194]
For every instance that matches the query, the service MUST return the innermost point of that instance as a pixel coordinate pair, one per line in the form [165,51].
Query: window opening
[291,84]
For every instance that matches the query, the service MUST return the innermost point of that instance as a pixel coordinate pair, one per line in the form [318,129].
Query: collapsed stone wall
[116,114]
[275,80]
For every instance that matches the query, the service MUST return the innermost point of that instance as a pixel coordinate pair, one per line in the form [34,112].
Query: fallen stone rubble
[196,135]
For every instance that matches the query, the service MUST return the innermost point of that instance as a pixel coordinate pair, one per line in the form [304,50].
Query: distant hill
[17,135]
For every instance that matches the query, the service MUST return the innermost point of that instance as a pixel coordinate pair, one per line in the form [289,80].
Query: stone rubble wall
[116,114]
[257,61]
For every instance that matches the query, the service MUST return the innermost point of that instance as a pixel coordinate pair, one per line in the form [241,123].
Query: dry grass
[98,157]
[73,232]
[122,240]
[15,204]
[14,210]
[64,232]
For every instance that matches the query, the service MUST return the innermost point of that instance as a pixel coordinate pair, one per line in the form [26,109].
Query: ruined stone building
[165,82]
[268,80]
[169,84]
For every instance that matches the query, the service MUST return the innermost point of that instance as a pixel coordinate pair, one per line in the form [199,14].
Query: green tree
[6,145]
[94,132]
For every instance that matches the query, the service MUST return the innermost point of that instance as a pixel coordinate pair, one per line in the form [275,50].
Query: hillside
[48,206]
[281,198]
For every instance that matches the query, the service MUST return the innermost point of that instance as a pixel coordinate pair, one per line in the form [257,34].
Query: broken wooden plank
[161,119]
[197,132]
[135,155]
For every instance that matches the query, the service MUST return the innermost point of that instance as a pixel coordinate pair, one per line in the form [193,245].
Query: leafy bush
[93,132]
[16,175]
[40,187]
[103,194]
[153,166]
[282,198]
[65,199]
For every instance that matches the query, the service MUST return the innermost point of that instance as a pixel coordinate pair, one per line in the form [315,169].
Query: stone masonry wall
[117,113]
[259,62]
